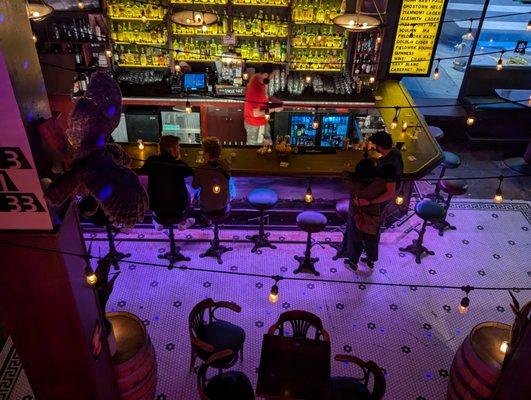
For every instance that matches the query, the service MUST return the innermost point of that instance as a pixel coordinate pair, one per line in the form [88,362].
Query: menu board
[416,36]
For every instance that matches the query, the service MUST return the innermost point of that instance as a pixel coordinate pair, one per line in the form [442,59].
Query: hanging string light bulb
[399,199]
[308,197]
[436,74]
[140,144]
[177,67]
[465,301]
[404,126]
[308,79]
[394,122]
[498,195]
[34,37]
[216,189]
[504,346]
[245,76]
[499,64]
[188,107]
[204,27]
[267,115]
[372,79]
[108,53]
[80,5]
[273,293]
[315,123]
[469,31]
[90,277]
[198,17]
[471,119]
[378,38]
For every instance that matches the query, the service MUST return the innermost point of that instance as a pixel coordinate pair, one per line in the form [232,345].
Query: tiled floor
[411,332]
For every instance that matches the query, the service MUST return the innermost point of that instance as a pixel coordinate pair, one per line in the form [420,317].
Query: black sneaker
[369,263]
[351,264]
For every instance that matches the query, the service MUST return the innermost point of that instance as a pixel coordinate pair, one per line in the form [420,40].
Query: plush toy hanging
[98,168]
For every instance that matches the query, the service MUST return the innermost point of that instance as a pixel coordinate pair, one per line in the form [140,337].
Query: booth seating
[436,132]
[311,222]
[168,221]
[234,385]
[450,161]
[262,199]
[430,212]
[216,249]
[342,207]
[451,188]
[98,218]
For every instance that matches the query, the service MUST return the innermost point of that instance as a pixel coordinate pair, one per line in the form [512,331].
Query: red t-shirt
[255,97]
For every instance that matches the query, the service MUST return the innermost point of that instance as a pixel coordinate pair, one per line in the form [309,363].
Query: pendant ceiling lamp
[193,18]
[38,9]
[357,21]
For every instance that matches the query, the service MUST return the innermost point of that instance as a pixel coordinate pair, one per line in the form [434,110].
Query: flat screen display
[301,131]
[143,126]
[334,130]
[194,82]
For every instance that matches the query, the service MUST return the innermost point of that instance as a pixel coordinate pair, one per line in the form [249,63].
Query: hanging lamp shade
[193,18]
[38,9]
[356,22]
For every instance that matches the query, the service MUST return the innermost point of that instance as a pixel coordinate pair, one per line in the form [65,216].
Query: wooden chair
[210,335]
[346,388]
[232,384]
[301,322]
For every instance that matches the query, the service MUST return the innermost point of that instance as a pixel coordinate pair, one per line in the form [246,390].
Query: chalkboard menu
[416,37]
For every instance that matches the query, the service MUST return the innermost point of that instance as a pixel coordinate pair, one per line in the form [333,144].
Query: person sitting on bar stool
[168,194]
[364,224]
[215,185]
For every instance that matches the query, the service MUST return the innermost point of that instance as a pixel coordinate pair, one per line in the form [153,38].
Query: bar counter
[420,154]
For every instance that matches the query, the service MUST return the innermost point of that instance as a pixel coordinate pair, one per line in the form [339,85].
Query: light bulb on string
[204,27]
[273,294]
[245,76]
[372,79]
[34,37]
[378,38]
[308,79]
[498,195]
[436,74]
[399,199]
[90,277]
[177,67]
[404,126]
[394,122]
[140,144]
[465,301]
[198,17]
[469,31]
[308,197]
[80,5]
[267,115]
[315,123]
[470,119]
[216,189]
[108,53]
[499,64]
[188,107]
[504,346]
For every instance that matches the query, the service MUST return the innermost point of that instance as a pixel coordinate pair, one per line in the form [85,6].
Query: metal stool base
[306,265]
[442,226]
[417,249]
[173,257]
[260,240]
[216,251]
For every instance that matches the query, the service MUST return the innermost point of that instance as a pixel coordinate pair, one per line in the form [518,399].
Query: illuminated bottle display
[211,2]
[316,36]
[125,9]
[317,59]
[260,24]
[263,50]
[320,12]
[141,56]
[138,32]
[194,49]
[279,3]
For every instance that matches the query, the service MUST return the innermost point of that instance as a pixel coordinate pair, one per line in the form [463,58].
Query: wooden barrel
[477,364]
[135,363]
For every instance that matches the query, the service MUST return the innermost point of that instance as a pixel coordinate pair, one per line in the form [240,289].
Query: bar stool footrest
[173,257]
[442,226]
[417,249]
[216,252]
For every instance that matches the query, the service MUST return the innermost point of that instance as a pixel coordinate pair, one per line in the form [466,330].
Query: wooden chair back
[370,369]
[300,322]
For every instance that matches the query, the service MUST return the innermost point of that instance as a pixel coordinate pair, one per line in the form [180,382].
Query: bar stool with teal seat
[436,132]
[262,199]
[342,207]
[430,212]
[450,161]
[452,187]
[310,222]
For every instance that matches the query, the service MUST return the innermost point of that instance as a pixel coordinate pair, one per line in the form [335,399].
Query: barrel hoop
[453,392]
[474,373]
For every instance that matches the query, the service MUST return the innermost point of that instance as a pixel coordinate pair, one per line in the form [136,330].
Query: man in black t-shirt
[166,173]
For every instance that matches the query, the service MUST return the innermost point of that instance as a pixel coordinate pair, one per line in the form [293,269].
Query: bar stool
[342,207]
[436,132]
[216,249]
[429,211]
[98,218]
[262,199]
[452,188]
[451,161]
[168,221]
[311,222]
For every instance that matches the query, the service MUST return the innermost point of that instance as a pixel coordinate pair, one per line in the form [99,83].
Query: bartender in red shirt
[256,99]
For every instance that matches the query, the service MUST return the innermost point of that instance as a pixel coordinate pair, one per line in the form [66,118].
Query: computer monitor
[194,82]
[301,131]
[335,128]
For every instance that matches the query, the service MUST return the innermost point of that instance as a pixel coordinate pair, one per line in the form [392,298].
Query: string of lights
[273,296]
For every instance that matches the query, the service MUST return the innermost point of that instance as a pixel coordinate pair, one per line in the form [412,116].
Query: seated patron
[213,178]
[166,173]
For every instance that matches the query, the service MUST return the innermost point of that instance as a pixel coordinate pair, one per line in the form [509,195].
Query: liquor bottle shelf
[317,47]
[141,66]
[140,43]
[206,35]
[260,36]
[136,19]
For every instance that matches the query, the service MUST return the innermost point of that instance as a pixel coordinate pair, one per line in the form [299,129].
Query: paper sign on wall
[22,204]
[413,54]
